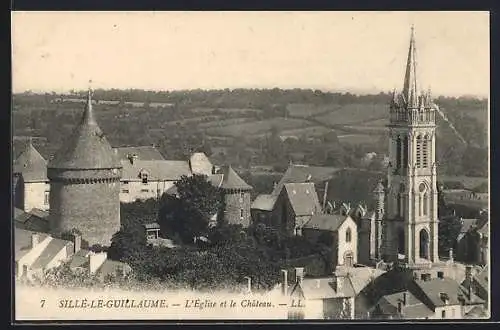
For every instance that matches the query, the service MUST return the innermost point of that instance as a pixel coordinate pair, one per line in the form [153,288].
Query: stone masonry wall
[92,208]
[234,202]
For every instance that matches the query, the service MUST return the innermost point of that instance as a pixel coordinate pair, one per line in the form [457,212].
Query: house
[262,208]
[35,253]
[295,205]
[472,241]
[430,298]
[338,231]
[30,183]
[323,298]
[144,179]
[200,164]
[476,279]
[34,220]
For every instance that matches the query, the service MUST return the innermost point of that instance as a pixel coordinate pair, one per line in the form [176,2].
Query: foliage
[482,188]
[188,214]
[449,228]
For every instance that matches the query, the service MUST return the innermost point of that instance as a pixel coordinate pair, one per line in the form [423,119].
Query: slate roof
[482,278]
[304,173]
[484,229]
[414,309]
[163,170]
[434,287]
[322,288]
[303,198]
[231,180]
[31,164]
[22,241]
[142,152]
[199,162]
[86,147]
[330,222]
[80,259]
[264,202]
[110,267]
[33,220]
[48,254]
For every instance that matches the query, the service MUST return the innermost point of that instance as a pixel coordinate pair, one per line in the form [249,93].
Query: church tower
[85,184]
[411,227]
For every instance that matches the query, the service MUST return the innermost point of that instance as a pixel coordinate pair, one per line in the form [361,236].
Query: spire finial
[88,114]
[410,90]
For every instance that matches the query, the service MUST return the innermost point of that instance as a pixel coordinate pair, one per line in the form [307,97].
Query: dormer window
[144,177]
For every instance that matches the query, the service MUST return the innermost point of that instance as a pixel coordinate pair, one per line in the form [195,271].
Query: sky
[360,52]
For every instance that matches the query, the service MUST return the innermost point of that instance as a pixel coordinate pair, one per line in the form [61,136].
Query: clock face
[422,187]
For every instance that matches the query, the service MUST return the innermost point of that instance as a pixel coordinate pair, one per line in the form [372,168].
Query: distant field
[368,129]
[257,127]
[468,181]
[355,114]
[376,123]
[356,138]
[306,131]
[307,110]
[225,122]
[224,110]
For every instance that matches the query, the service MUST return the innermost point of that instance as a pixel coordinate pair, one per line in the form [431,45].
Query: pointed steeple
[87,147]
[410,88]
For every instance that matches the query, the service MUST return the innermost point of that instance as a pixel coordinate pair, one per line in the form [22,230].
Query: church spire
[88,115]
[410,90]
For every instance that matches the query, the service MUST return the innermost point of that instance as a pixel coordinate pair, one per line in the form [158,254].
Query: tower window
[419,152]
[405,152]
[398,152]
[46,198]
[348,235]
[425,152]
[425,205]
[144,178]
[241,213]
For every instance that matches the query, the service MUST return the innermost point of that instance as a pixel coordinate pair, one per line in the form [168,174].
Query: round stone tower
[85,184]
[236,198]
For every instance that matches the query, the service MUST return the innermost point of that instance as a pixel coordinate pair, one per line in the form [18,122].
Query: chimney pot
[77,242]
[284,282]
[34,240]
[404,299]
[299,274]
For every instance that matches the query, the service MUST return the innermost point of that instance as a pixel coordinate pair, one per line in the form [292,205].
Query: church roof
[305,173]
[303,198]
[231,180]
[87,147]
[31,164]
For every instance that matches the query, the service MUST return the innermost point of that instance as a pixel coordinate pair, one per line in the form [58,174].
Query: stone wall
[236,206]
[92,208]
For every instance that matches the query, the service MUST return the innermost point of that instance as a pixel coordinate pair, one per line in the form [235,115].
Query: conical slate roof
[31,164]
[231,180]
[87,147]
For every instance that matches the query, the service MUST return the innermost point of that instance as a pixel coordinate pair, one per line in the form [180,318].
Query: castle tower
[236,198]
[411,213]
[85,184]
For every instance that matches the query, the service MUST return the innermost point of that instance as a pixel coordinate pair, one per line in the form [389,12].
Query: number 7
[42,302]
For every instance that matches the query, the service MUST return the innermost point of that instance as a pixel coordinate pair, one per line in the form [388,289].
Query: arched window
[398,152]
[423,199]
[424,244]
[405,152]
[348,235]
[425,151]
[419,152]
[425,205]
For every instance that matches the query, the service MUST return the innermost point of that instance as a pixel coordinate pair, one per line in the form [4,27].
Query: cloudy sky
[340,51]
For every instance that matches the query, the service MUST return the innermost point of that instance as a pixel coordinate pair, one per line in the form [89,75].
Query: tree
[449,228]
[188,214]
[129,241]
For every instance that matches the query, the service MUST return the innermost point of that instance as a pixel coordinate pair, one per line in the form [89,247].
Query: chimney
[337,283]
[318,283]
[249,284]
[132,158]
[451,255]
[77,242]
[400,307]
[468,273]
[284,282]
[96,260]
[444,297]
[404,299]
[299,274]
[34,240]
